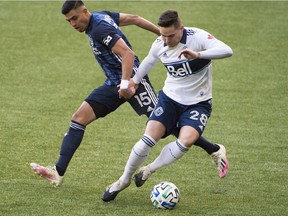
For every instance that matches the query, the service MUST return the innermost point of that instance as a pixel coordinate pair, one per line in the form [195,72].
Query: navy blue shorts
[174,115]
[105,99]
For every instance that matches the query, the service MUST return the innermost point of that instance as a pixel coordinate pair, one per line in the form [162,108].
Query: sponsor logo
[158,40]
[149,109]
[94,49]
[109,20]
[179,70]
[186,68]
[190,32]
[107,40]
[200,127]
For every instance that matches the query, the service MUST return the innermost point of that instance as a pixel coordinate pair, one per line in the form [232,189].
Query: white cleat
[49,173]
[220,159]
[142,176]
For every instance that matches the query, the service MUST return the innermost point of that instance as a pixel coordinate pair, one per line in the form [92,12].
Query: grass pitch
[47,69]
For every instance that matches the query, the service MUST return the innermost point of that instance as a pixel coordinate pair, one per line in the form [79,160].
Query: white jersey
[189,81]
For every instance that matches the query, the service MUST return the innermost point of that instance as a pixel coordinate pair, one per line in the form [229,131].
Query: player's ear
[84,10]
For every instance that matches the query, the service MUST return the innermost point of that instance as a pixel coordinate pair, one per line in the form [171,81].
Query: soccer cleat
[142,176]
[49,173]
[220,159]
[112,190]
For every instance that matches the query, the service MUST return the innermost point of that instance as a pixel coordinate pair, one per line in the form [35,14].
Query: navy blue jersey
[103,32]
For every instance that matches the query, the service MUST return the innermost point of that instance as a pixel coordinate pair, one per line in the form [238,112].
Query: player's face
[78,18]
[171,35]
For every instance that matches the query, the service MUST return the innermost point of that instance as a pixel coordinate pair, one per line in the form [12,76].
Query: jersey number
[143,99]
[195,116]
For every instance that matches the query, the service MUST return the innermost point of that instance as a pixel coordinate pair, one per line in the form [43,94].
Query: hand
[189,54]
[132,84]
[127,93]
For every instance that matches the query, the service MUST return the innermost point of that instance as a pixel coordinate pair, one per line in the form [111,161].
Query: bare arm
[127,56]
[130,19]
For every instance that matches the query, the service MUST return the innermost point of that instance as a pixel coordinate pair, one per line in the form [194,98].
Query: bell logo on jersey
[179,70]
[186,68]
[107,40]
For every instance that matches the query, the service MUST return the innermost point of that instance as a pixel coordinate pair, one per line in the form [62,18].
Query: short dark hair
[71,5]
[169,18]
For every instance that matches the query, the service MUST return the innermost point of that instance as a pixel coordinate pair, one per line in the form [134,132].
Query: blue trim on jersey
[103,32]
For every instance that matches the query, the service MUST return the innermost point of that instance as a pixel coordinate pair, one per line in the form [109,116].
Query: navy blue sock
[201,142]
[70,143]
[206,145]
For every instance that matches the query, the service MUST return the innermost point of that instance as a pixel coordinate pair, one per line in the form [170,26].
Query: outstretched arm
[130,19]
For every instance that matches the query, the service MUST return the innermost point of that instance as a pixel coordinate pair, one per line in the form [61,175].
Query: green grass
[47,69]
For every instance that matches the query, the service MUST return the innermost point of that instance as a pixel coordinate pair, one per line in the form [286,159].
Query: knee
[84,115]
[77,117]
[188,136]
[186,142]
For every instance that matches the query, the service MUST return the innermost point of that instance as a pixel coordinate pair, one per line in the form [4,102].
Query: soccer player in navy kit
[185,100]
[114,54]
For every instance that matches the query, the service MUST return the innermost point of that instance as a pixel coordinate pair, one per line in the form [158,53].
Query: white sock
[169,154]
[137,156]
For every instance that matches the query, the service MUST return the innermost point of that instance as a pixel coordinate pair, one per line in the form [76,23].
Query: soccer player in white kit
[185,100]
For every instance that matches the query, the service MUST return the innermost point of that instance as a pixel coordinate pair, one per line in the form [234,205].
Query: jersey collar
[183,39]
[89,24]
